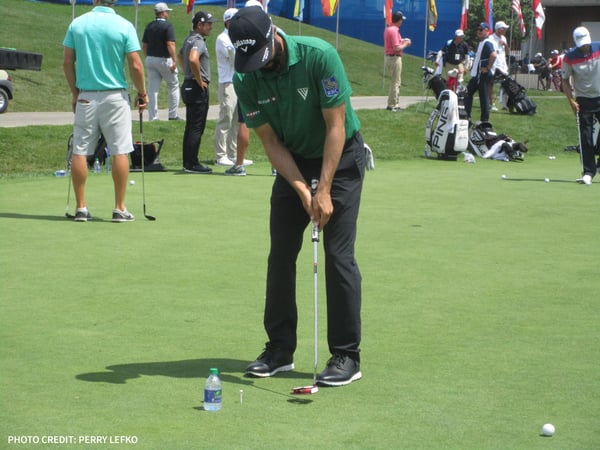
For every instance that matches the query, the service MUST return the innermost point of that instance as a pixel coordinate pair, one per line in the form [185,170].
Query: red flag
[464,15]
[329,7]
[516,6]
[539,17]
[387,11]
[189,4]
[489,12]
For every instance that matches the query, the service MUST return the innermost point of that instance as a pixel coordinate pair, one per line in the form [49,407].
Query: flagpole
[425,38]
[136,12]
[73,9]
[337,24]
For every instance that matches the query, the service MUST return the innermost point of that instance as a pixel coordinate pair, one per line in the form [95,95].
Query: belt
[101,90]
[400,56]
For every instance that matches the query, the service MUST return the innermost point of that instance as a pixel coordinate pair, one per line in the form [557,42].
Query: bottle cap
[214,371]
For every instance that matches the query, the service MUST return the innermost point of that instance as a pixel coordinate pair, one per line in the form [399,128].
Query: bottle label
[212,395]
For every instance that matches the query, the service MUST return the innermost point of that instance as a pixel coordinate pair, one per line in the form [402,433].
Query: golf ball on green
[547,180]
[132,182]
[504,177]
[548,429]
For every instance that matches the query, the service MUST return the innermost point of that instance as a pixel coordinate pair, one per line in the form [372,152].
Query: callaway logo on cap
[251,32]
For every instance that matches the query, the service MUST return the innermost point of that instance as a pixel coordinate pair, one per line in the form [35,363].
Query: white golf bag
[447,130]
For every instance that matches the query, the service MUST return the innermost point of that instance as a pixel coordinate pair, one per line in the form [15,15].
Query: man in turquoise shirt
[295,94]
[96,47]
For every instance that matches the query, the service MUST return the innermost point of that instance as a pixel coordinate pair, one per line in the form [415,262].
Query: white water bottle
[97,167]
[213,391]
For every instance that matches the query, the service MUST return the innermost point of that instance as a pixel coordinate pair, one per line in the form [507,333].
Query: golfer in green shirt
[295,94]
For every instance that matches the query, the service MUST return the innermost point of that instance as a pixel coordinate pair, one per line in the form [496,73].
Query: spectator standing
[227,125]
[455,53]
[278,74]
[97,46]
[158,44]
[394,46]
[193,57]
[540,65]
[500,65]
[581,67]
[481,73]
[555,66]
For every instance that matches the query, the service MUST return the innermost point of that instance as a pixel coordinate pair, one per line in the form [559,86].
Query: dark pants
[482,84]
[588,109]
[288,222]
[196,110]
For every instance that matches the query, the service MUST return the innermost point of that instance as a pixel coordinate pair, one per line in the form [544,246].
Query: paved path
[17,119]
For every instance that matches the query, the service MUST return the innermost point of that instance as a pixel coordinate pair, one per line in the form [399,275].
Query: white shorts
[106,112]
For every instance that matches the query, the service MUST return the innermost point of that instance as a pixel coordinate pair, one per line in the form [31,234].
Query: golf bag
[151,152]
[517,99]
[486,143]
[101,152]
[447,129]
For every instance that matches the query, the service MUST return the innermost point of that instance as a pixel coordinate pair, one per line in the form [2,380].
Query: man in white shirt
[227,125]
[500,64]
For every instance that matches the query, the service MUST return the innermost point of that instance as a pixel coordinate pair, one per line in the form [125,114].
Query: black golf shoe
[340,370]
[270,362]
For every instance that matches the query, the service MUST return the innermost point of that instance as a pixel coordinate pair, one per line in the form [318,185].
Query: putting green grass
[480,313]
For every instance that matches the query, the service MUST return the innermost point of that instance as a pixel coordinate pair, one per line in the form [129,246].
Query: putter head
[304,390]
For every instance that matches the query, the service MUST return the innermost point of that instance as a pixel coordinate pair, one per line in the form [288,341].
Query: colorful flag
[432,15]
[387,11]
[464,15]
[299,10]
[190,5]
[489,13]
[539,17]
[516,6]
[329,7]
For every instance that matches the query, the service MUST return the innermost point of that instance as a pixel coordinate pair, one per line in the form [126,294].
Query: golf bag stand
[518,101]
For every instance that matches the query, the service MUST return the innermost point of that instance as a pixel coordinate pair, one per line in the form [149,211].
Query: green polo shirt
[291,100]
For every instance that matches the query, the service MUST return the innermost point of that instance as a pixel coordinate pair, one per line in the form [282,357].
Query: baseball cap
[229,13]
[251,32]
[484,25]
[161,7]
[202,17]
[581,36]
[459,33]
[501,25]
[397,16]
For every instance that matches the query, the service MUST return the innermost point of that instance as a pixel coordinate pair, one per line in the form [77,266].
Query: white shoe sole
[285,368]
[356,376]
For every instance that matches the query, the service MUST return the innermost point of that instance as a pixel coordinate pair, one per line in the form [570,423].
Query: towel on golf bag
[151,157]
[517,99]
[487,144]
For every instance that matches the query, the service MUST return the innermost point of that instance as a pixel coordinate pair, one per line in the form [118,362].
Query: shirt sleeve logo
[331,86]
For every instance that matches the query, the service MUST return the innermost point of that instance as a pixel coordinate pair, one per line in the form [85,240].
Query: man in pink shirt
[394,45]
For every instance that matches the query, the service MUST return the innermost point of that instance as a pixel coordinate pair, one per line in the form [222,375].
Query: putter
[147,216]
[315,240]
[69,159]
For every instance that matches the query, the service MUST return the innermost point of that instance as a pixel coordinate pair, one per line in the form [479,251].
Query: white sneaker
[248,162]
[586,179]
[224,161]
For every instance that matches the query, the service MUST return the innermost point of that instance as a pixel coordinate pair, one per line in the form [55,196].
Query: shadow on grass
[230,371]
[42,217]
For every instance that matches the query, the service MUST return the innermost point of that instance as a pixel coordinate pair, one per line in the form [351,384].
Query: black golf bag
[151,157]
[100,153]
[486,143]
[517,99]
[447,129]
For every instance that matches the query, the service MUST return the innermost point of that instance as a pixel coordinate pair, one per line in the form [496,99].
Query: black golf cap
[251,32]
[202,17]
